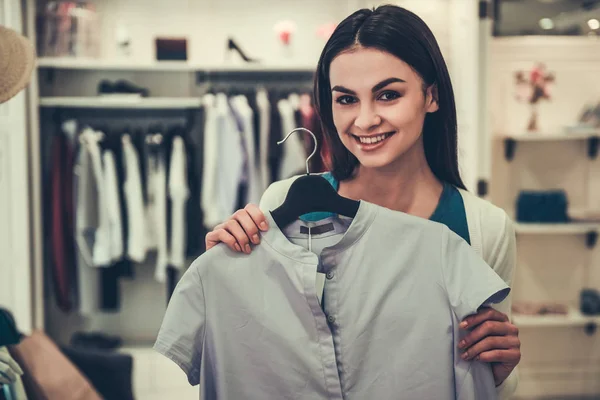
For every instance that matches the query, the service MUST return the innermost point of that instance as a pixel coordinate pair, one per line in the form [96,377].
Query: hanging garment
[156,210]
[86,202]
[136,241]
[111,184]
[355,344]
[264,110]
[101,252]
[209,194]
[293,161]
[229,167]
[63,254]
[179,194]
[253,185]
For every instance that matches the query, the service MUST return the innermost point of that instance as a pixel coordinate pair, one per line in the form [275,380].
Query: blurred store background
[526,74]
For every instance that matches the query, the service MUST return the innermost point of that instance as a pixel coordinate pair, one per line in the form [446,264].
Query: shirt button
[331,319]
[330,275]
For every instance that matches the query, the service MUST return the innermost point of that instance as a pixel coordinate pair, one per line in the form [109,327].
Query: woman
[385,100]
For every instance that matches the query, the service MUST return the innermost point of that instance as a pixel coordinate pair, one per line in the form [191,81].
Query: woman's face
[378,106]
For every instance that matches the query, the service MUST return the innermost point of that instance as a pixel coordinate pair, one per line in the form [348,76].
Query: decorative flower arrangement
[532,87]
[284,30]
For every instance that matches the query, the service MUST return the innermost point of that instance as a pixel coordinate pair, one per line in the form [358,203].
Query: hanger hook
[314,147]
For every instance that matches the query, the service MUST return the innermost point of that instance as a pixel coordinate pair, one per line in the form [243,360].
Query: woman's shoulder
[492,231]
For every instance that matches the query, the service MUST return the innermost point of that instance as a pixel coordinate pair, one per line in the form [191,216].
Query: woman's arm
[493,338]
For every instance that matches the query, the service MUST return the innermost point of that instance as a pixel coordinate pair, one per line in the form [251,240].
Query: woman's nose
[367,118]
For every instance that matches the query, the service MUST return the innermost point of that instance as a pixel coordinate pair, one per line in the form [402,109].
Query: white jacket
[496,244]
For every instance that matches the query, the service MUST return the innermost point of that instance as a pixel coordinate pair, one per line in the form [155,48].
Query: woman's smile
[372,142]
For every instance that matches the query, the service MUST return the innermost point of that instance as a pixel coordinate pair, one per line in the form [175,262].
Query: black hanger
[311,193]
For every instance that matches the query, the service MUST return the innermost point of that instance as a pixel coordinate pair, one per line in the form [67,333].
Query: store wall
[557,361]
[207,24]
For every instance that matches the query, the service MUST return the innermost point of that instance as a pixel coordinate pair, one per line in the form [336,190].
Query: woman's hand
[240,230]
[493,339]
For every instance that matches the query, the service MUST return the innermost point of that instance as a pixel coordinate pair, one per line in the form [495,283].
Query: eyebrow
[377,87]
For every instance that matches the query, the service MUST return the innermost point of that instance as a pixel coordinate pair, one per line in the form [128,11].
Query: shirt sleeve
[470,284]
[503,260]
[181,336]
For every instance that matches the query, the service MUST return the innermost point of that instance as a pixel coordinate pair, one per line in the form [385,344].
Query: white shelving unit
[567,135]
[573,318]
[556,229]
[121,102]
[164,66]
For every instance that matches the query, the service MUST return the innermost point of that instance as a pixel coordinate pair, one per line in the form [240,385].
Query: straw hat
[17,57]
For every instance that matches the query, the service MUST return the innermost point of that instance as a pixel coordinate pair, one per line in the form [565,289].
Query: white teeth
[371,140]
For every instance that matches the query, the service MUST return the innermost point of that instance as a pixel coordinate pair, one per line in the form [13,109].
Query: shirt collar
[275,238]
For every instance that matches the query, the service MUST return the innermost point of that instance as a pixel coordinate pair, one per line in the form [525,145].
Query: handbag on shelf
[547,206]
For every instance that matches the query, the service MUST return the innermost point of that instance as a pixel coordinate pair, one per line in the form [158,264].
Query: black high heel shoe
[231,45]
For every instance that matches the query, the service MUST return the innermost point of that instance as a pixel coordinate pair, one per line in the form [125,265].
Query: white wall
[15,270]
[556,361]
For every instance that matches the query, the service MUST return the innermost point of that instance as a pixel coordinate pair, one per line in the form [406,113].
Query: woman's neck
[410,187]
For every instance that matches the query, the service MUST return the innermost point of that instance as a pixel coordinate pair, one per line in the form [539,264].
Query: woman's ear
[431,100]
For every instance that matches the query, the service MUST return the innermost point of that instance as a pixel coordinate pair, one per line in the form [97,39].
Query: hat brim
[21,60]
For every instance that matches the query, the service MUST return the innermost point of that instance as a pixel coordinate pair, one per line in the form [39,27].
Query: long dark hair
[397,31]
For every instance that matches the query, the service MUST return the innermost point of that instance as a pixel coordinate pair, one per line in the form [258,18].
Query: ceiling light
[593,24]
[546,23]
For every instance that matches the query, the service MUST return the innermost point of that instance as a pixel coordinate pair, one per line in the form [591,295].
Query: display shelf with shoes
[121,101]
[567,228]
[572,318]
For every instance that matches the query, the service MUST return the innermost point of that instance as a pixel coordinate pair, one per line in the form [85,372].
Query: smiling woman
[384,97]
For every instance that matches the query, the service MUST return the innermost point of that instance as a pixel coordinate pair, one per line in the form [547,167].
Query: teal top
[450,210]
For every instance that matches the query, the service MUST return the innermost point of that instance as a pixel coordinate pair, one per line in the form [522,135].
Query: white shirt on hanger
[113,206]
[157,211]
[243,109]
[264,109]
[136,240]
[179,194]
[293,160]
[230,160]
[101,253]
[86,203]
[208,194]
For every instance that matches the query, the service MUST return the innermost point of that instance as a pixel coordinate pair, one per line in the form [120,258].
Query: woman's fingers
[493,345]
[234,228]
[257,216]
[221,235]
[245,221]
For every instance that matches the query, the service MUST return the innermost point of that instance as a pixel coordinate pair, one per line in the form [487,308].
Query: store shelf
[121,102]
[573,318]
[118,65]
[589,134]
[556,229]
[96,64]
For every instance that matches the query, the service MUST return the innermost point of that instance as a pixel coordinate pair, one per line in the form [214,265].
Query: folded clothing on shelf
[590,302]
[548,206]
[121,87]
[533,308]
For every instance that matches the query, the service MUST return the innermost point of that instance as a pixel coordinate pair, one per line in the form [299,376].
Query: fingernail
[465,355]
[237,247]
[247,248]
[255,239]
[462,344]
[464,324]
[263,226]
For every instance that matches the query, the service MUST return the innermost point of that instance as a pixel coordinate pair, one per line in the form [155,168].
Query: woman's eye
[389,96]
[345,100]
